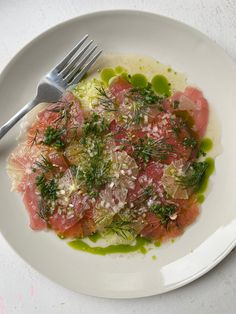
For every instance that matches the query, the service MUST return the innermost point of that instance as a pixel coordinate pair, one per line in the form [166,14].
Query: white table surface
[23,290]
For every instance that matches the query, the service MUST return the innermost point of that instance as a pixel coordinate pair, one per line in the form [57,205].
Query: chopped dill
[94,126]
[144,196]
[177,124]
[148,191]
[53,137]
[194,175]
[145,95]
[93,171]
[94,174]
[122,227]
[190,142]
[143,99]
[48,191]
[148,148]
[44,164]
[47,188]
[163,211]
[106,100]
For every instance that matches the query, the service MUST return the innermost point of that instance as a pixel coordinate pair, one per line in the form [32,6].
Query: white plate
[206,242]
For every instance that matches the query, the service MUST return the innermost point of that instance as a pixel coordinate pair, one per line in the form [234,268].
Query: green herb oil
[161,85]
[210,169]
[111,249]
[139,80]
[94,237]
[107,74]
[206,144]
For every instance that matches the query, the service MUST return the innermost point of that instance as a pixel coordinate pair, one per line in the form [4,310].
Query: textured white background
[24,291]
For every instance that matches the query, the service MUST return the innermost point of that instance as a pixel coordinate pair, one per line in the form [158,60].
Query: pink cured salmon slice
[52,117]
[119,88]
[31,200]
[20,164]
[83,228]
[58,160]
[193,101]
[150,176]
[61,222]
[187,214]
[162,128]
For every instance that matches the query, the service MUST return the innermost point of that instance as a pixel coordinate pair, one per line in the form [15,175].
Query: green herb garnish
[122,227]
[176,126]
[93,171]
[200,153]
[94,126]
[190,142]
[163,211]
[143,197]
[53,137]
[44,164]
[148,191]
[194,175]
[47,189]
[143,99]
[64,113]
[106,100]
[94,174]
[148,148]
[146,95]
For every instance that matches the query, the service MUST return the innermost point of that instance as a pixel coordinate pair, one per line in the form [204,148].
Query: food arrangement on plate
[120,157]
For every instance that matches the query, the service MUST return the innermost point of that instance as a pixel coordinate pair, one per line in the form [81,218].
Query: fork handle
[20,114]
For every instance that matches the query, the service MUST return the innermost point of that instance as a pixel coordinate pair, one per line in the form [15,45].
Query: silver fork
[68,72]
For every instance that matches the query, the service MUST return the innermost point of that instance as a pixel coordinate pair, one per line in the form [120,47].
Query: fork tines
[73,67]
